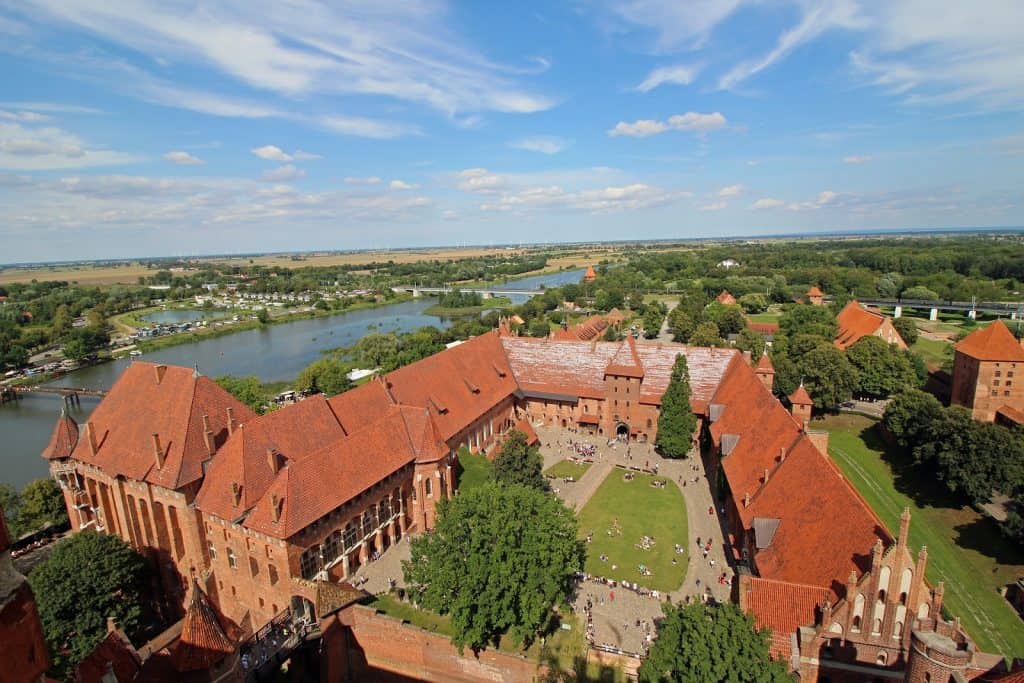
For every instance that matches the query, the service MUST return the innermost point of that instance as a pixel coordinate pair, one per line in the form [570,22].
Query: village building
[725,298]
[987,365]
[269,515]
[590,275]
[856,321]
[815,296]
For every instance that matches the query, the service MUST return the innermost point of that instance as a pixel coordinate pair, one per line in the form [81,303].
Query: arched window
[384,509]
[232,560]
[856,623]
[310,562]
[897,630]
[351,534]
[881,658]
[332,546]
[876,628]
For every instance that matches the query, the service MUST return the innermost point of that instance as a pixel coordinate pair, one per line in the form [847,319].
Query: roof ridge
[193,388]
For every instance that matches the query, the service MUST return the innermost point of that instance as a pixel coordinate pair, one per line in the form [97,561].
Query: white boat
[135,353]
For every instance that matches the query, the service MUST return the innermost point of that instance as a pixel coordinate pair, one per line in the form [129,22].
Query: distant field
[405,256]
[83,274]
[965,548]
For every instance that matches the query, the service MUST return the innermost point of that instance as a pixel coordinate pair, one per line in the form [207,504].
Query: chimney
[746,500]
[160,370]
[782,454]
[765,475]
[231,420]
[275,507]
[90,429]
[158,451]
[236,492]
[211,445]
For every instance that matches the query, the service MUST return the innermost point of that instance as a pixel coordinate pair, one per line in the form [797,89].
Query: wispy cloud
[183,159]
[680,74]
[690,122]
[271,153]
[767,203]
[857,159]
[25,148]
[545,144]
[675,25]
[283,174]
[731,191]
[52,107]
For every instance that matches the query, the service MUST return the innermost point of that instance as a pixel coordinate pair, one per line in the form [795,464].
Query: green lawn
[767,317]
[428,621]
[566,468]
[934,352]
[965,548]
[474,470]
[640,510]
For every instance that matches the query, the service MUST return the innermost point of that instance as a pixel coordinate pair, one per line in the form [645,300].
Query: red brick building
[987,368]
[269,513]
[23,655]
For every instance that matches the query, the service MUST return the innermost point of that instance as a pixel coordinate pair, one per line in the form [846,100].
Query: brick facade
[22,646]
[987,372]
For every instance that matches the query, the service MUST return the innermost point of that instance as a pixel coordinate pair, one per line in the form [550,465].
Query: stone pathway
[389,565]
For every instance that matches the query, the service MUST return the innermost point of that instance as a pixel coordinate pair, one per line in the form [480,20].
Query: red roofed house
[815,296]
[855,322]
[725,298]
[590,275]
[22,645]
[987,369]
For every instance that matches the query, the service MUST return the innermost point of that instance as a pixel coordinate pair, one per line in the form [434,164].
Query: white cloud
[767,203]
[402,51]
[300,155]
[284,173]
[27,149]
[52,107]
[826,197]
[680,74]
[366,128]
[401,185]
[731,191]
[676,24]
[690,122]
[271,153]
[603,200]
[450,215]
[23,116]
[544,144]
[857,159]
[714,206]
[372,180]
[183,159]
[480,181]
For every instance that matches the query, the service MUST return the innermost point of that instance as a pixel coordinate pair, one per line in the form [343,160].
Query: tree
[907,330]
[920,293]
[109,579]
[42,503]
[909,416]
[706,334]
[539,327]
[828,375]
[680,324]
[729,319]
[376,350]
[246,389]
[327,376]
[263,316]
[500,557]
[801,319]
[519,463]
[676,423]
[751,341]
[754,303]
[882,369]
[652,318]
[61,321]
[10,503]
[700,643]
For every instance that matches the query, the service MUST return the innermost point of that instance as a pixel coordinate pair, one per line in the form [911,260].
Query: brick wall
[985,386]
[359,643]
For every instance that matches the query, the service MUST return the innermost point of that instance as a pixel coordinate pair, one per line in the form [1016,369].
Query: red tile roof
[578,368]
[764,363]
[361,405]
[206,636]
[826,530]
[854,322]
[762,328]
[591,328]
[992,342]
[457,385]
[1012,414]
[590,275]
[814,291]
[800,397]
[63,438]
[169,401]
[783,608]
[725,298]
[626,361]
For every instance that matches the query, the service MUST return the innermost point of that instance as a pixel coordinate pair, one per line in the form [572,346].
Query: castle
[985,363]
[266,513]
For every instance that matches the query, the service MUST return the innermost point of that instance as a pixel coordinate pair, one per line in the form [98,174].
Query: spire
[800,397]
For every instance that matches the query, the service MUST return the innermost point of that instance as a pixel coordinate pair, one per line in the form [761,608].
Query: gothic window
[384,509]
[332,546]
[213,550]
[254,568]
[876,628]
[351,532]
[272,573]
[232,560]
[310,563]
[426,487]
[881,658]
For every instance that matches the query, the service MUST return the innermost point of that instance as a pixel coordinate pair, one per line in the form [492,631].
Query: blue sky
[181,128]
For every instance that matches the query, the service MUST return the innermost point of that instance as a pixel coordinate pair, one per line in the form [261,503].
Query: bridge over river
[486,293]
[1013,309]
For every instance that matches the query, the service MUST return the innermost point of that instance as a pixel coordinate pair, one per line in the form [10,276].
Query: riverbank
[212,332]
[466,311]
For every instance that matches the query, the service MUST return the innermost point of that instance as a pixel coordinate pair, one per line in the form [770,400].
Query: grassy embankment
[567,468]
[640,509]
[965,548]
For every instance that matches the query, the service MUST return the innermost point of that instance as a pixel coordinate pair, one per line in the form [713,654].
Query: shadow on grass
[984,536]
[910,478]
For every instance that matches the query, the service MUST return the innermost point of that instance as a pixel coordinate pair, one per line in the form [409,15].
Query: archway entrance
[622,431]
[302,609]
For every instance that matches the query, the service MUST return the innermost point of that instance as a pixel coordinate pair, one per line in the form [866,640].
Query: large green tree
[680,324]
[829,377]
[807,319]
[519,463]
[87,578]
[42,503]
[699,643]
[706,334]
[327,375]
[729,318]
[676,423]
[907,330]
[246,389]
[499,558]
[882,368]
[909,416]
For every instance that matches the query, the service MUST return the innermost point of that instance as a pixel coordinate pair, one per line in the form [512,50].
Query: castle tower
[801,404]
[765,371]
[815,296]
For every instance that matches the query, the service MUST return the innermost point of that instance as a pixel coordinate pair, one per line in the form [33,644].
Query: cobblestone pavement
[373,576]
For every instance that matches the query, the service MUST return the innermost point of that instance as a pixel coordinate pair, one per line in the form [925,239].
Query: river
[273,353]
